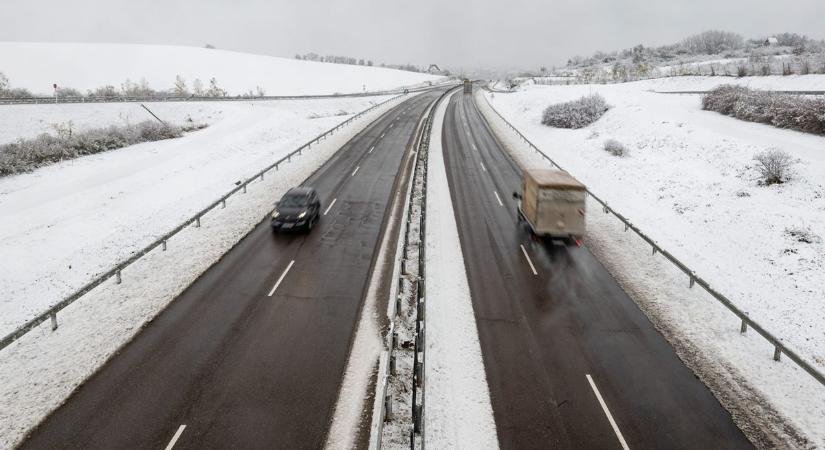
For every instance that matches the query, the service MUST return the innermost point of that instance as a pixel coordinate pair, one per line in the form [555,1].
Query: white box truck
[552,203]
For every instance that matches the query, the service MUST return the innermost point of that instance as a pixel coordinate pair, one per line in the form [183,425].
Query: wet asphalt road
[240,368]
[552,340]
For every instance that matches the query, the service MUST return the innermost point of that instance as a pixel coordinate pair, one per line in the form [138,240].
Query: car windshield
[293,201]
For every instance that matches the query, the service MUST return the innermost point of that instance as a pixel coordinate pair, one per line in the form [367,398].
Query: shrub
[28,154]
[615,148]
[773,166]
[781,110]
[803,234]
[576,114]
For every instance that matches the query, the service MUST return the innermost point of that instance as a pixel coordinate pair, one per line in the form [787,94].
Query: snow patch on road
[458,409]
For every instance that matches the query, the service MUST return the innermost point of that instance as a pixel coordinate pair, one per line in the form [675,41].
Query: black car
[299,209]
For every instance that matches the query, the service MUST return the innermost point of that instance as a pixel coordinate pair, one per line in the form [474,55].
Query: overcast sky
[456,34]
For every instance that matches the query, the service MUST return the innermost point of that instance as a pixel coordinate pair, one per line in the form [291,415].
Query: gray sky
[470,34]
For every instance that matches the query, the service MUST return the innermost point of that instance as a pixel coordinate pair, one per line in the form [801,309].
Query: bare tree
[180,87]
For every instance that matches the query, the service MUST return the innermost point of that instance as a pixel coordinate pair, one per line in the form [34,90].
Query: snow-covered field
[36,66]
[44,367]
[28,121]
[689,183]
[62,224]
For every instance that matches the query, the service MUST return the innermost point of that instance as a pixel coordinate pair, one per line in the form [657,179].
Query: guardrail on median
[694,279]
[51,313]
[387,362]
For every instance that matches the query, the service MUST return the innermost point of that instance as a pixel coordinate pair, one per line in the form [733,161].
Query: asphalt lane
[571,361]
[236,361]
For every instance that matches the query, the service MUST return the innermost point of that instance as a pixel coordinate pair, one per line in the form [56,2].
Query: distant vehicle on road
[552,203]
[298,209]
[468,86]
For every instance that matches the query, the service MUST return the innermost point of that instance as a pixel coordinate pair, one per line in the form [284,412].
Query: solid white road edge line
[607,412]
[278,283]
[330,206]
[532,267]
[355,171]
[371,149]
[175,437]
[482,166]
[498,198]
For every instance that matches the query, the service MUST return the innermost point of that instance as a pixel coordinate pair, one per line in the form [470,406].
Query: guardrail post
[744,327]
[692,276]
[244,189]
[392,364]
[262,176]
[387,408]
[654,250]
[223,203]
[119,279]
[606,210]
[777,352]
[198,222]
[164,246]
[54,320]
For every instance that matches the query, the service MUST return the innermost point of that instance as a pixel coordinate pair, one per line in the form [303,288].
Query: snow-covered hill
[37,66]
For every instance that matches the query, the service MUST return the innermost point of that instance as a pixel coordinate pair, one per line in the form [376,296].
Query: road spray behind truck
[552,203]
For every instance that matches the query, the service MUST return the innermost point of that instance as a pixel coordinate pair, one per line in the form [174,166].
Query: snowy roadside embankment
[689,183]
[88,66]
[44,367]
[63,224]
[458,409]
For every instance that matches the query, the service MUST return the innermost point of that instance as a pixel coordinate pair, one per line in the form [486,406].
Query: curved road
[253,353]
[565,350]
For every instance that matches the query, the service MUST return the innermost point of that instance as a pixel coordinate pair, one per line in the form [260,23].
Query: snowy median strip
[458,410]
[44,367]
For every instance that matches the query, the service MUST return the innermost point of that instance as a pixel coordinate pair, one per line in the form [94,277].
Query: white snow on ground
[689,184]
[44,367]
[458,409]
[28,121]
[62,224]
[86,66]
[778,83]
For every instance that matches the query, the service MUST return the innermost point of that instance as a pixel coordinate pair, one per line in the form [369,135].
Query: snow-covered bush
[576,114]
[615,148]
[773,166]
[803,234]
[28,154]
[781,110]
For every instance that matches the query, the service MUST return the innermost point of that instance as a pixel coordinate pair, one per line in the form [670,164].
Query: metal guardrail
[746,321]
[51,313]
[192,98]
[417,412]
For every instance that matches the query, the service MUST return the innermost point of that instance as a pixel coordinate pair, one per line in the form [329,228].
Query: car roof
[300,190]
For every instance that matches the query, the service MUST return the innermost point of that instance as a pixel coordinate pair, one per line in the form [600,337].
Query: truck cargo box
[553,203]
